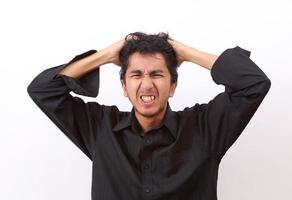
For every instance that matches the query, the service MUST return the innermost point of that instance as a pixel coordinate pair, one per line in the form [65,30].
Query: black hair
[148,44]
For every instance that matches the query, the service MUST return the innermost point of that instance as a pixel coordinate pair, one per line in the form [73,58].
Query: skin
[153,79]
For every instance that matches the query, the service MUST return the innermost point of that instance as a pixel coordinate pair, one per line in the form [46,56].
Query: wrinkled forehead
[147,62]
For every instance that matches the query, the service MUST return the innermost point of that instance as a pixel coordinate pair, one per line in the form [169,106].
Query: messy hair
[148,44]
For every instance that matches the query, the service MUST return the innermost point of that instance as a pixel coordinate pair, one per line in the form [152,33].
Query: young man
[152,152]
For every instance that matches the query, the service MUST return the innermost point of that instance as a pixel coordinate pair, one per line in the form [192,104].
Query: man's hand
[112,52]
[179,49]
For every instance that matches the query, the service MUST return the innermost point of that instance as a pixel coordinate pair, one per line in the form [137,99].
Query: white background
[39,162]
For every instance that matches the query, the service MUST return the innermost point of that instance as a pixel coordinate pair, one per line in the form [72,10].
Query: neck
[148,122]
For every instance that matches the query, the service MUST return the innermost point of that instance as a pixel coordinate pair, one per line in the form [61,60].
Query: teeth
[147,98]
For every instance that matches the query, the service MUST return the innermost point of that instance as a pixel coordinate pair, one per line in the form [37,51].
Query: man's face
[148,84]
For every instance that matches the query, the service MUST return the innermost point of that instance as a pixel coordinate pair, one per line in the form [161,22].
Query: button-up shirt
[177,160]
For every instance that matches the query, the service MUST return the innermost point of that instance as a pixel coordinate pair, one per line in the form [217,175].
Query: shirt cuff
[88,84]
[232,67]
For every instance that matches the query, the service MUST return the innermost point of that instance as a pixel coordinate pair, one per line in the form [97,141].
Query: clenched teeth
[147,98]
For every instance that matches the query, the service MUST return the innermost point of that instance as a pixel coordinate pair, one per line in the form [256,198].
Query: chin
[149,113]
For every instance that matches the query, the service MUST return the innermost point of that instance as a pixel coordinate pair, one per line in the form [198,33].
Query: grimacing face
[148,84]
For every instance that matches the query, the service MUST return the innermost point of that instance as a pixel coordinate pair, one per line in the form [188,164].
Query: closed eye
[135,75]
[153,74]
[157,75]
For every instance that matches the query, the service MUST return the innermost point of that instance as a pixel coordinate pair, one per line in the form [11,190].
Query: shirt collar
[169,121]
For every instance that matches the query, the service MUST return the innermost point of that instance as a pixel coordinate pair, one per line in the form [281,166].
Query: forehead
[138,61]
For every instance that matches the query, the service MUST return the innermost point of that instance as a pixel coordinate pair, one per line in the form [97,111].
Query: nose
[146,82]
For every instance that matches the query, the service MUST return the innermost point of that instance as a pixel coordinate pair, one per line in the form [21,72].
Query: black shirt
[179,159]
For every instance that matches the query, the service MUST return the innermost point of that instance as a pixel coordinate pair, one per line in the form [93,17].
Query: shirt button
[148,141]
[146,166]
[147,190]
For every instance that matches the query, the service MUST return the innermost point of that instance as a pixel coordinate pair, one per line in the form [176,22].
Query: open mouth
[147,98]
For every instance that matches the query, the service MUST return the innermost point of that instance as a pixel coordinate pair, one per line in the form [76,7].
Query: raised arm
[78,120]
[85,65]
[220,121]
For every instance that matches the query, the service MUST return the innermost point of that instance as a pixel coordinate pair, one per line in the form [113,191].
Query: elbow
[262,89]
[32,90]
[29,89]
[266,85]
[258,91]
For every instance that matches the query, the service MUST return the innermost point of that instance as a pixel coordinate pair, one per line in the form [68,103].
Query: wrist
[105,56]
[190,54]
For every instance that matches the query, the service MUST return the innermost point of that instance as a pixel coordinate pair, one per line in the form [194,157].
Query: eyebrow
[137,71]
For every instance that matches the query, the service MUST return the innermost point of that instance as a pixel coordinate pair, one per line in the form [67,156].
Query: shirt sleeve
[223,119]
[75,118]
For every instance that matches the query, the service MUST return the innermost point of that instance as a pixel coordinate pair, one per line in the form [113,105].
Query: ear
[124,88]
[172,89]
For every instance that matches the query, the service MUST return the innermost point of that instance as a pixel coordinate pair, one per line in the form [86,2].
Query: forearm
[190,54]
[198,57]
[83,66]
